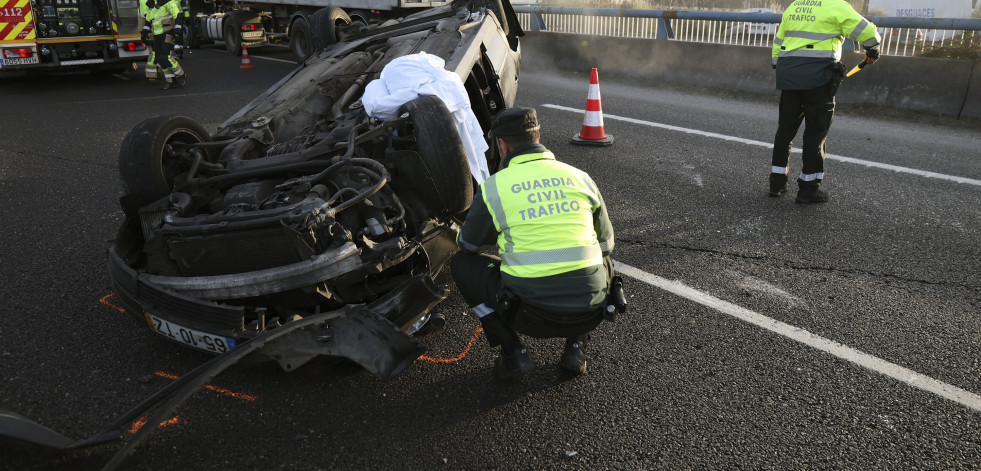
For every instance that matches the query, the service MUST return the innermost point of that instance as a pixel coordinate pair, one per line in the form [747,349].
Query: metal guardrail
[901,36]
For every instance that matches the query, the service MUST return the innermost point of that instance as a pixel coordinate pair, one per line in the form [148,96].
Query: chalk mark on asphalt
[878,365]
[769,145]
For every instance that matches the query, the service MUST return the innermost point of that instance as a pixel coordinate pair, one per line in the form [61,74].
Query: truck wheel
[324,26]
[233,39]
[441,149]
[151,155]
[301,40]
[191,39]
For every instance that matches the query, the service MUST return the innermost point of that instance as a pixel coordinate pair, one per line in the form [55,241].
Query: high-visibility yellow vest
[543,212]
[817,28]
[163,17]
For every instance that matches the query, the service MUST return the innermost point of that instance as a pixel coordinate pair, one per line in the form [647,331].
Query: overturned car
[306,209]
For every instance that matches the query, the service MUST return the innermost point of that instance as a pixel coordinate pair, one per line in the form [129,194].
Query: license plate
[252,34]
[20,61]
[186,335]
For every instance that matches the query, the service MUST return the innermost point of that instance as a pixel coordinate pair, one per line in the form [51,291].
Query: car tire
[495,7]
[146,166]
[324,26]
[441,151]
[301,40]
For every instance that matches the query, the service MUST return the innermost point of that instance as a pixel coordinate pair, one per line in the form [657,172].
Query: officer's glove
[872,53]
[145,34]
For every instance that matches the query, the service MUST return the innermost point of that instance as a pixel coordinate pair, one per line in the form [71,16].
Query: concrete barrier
[947,87]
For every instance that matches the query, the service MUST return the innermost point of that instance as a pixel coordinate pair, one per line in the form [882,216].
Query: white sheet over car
[408,77]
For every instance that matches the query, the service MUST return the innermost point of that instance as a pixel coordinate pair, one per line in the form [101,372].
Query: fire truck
[50,35]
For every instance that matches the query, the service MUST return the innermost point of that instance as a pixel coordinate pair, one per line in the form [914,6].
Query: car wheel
[233,38]
[441,150]
[324,26]
[495,7]
[149,158]
[301,40]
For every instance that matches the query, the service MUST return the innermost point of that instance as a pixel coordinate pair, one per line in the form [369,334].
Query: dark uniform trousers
[162,45]
[816,109]
[478,277]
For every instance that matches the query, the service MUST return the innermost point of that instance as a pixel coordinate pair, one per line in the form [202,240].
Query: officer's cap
[514,121]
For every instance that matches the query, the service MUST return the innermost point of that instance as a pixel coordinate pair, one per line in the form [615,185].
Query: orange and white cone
[593,133]
[246,63]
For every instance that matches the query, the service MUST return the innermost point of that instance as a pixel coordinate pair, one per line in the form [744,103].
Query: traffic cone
[246,63]
[593,133]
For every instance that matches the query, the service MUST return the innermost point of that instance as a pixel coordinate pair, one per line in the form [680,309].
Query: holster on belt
[837,75]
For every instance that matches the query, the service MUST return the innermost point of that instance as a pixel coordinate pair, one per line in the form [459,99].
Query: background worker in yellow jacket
[146,34]
[807,55]
[166,21]
[554,238]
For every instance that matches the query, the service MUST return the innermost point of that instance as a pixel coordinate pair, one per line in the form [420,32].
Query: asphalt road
[761,334]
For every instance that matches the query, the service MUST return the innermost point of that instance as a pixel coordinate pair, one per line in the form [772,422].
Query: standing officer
[806,55]
[166,25]
[554,238]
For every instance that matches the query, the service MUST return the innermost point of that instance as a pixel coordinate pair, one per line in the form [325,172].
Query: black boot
[810,192]
[778,184]
[512,363]
[574,356]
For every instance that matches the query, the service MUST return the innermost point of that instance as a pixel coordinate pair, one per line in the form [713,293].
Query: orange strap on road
[458,357]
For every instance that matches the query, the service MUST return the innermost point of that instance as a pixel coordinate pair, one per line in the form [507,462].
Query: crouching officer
[554,237]
[166,27]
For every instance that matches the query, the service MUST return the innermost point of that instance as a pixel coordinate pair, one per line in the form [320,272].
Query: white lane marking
[878,365]
[253,56]
[769,145]
[272,59]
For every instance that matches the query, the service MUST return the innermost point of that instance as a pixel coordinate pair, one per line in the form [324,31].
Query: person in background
[146,35]
[166,23]
[806,56]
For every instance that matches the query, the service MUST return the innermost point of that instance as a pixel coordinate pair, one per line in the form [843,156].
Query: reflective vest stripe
[812,53]
[810,35]
[857,32]
[497,210]
[569,254]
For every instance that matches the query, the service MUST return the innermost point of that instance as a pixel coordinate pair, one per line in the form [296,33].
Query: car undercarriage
[302,203]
